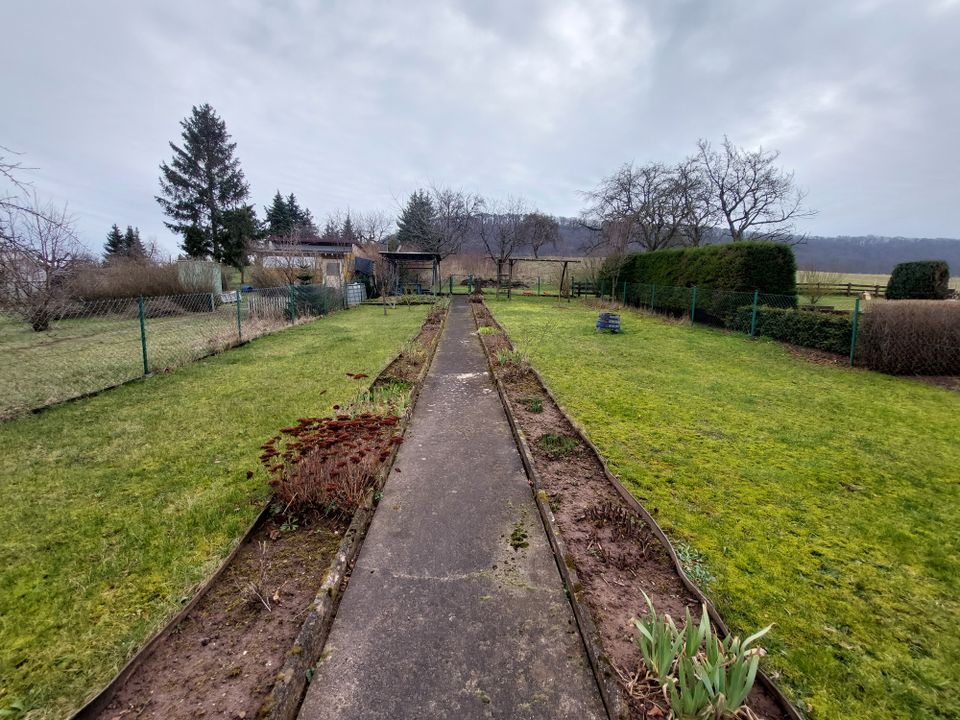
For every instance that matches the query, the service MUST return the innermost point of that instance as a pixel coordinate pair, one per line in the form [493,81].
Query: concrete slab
[455,607]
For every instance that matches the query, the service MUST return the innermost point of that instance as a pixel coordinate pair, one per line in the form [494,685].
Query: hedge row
[740,266]
[819,330]
[919,337]
[922,280]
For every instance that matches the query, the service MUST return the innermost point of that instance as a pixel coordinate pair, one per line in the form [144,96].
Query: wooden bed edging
[635,505]
[317,624]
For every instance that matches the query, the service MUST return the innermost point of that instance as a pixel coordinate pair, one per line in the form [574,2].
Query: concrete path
[447,613]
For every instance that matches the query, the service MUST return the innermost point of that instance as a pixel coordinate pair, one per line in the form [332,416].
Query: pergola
[510,262]
[414,260]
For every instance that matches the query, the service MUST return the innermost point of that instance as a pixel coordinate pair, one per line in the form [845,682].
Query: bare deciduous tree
[500,227]
[38,252]
[695,201]
[754,197]
[373,226]
[455,211]
[386,276]
[540,231]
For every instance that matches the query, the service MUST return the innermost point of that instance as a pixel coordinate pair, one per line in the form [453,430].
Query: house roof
[304,249]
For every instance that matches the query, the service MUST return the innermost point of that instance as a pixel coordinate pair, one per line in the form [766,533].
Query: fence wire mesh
[94,345]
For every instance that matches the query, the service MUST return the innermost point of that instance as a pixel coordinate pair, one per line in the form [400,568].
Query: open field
[119,504]
[824,500]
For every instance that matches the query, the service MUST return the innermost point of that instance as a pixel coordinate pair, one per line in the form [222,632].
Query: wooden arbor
[414,260]
[510,263]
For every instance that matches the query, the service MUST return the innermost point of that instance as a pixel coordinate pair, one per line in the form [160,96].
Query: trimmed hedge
[911,337]
[743,266]
[921,280]
[819,330]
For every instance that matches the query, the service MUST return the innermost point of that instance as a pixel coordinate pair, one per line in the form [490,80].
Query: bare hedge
[911,337]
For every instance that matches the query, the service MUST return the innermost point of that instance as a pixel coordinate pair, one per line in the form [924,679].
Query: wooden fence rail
[842,289]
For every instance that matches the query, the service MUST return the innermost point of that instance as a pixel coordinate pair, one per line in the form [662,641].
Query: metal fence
[94,345]
[749,312]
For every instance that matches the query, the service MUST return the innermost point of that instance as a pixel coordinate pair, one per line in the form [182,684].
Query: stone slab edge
[764,679]
[290,686]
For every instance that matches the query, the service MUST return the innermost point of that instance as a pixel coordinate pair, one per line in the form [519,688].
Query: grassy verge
[116,506]
[823,500]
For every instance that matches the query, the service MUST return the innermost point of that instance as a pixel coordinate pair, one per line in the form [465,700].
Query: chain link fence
[94,345]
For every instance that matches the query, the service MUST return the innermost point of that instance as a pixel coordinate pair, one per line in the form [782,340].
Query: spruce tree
[277,217]
[132,246]
[202,180]
[240,227]
[196,243]
[114,247]
[348,234]
[416,223]
[301,218]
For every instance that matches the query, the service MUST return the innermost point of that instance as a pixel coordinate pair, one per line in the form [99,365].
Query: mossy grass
[118,505]
[822,499]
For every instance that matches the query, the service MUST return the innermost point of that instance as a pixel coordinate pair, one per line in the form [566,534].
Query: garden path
[455,607]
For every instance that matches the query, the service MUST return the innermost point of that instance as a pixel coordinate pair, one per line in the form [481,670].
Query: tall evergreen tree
[202,180]
[114,247]
[277,217]
[416,224]
[331,231]
[348,234]
[240,227]
[301,218]
[196,243]
[132,245]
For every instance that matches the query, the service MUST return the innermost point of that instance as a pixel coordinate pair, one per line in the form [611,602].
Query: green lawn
[824,500]
[80,356]
[116,506]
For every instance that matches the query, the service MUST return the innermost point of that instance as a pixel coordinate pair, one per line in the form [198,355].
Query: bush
[922,280]
[741,266]
[127,278]
[819,330]
[911,338]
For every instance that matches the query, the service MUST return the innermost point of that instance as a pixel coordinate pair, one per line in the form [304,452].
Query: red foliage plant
[326,465]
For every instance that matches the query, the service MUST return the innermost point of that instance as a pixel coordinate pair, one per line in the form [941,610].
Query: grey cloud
[356,103]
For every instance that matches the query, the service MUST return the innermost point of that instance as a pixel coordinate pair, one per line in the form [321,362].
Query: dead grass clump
[911,337]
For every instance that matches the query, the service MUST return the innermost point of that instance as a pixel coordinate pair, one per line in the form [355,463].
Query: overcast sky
[358,103]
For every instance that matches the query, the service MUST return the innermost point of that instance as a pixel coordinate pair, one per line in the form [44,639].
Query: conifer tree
[114,247]
[277,217]
[132,246]
[348,234]
[240,228]
[202,180]
[416,223]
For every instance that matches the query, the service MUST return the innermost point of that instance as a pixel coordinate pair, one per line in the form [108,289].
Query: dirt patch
[614,552]
[948,382]
[411,364]
[222,659]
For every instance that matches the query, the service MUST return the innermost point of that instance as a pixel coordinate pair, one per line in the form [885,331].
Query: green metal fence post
[292,305]
[653,297]
[753,317]
[143,337]
[239,326]
[853,333]
[451,285]
[693,306]
[538,286]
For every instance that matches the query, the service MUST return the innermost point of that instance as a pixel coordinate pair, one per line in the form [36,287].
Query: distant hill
[866,254]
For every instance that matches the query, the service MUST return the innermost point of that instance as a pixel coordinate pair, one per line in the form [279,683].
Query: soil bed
[222,659]
[616,555]
[227,653]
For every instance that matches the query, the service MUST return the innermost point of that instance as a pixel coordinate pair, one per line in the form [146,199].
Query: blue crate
[608,321]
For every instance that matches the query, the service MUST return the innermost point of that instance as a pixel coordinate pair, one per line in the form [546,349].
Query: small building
[325,261]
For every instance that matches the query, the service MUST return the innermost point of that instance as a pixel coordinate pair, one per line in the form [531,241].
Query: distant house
[326,261]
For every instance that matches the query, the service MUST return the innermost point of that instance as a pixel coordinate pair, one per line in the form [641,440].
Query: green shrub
[823,331]
[922,280]
[911,337]
[741,266]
